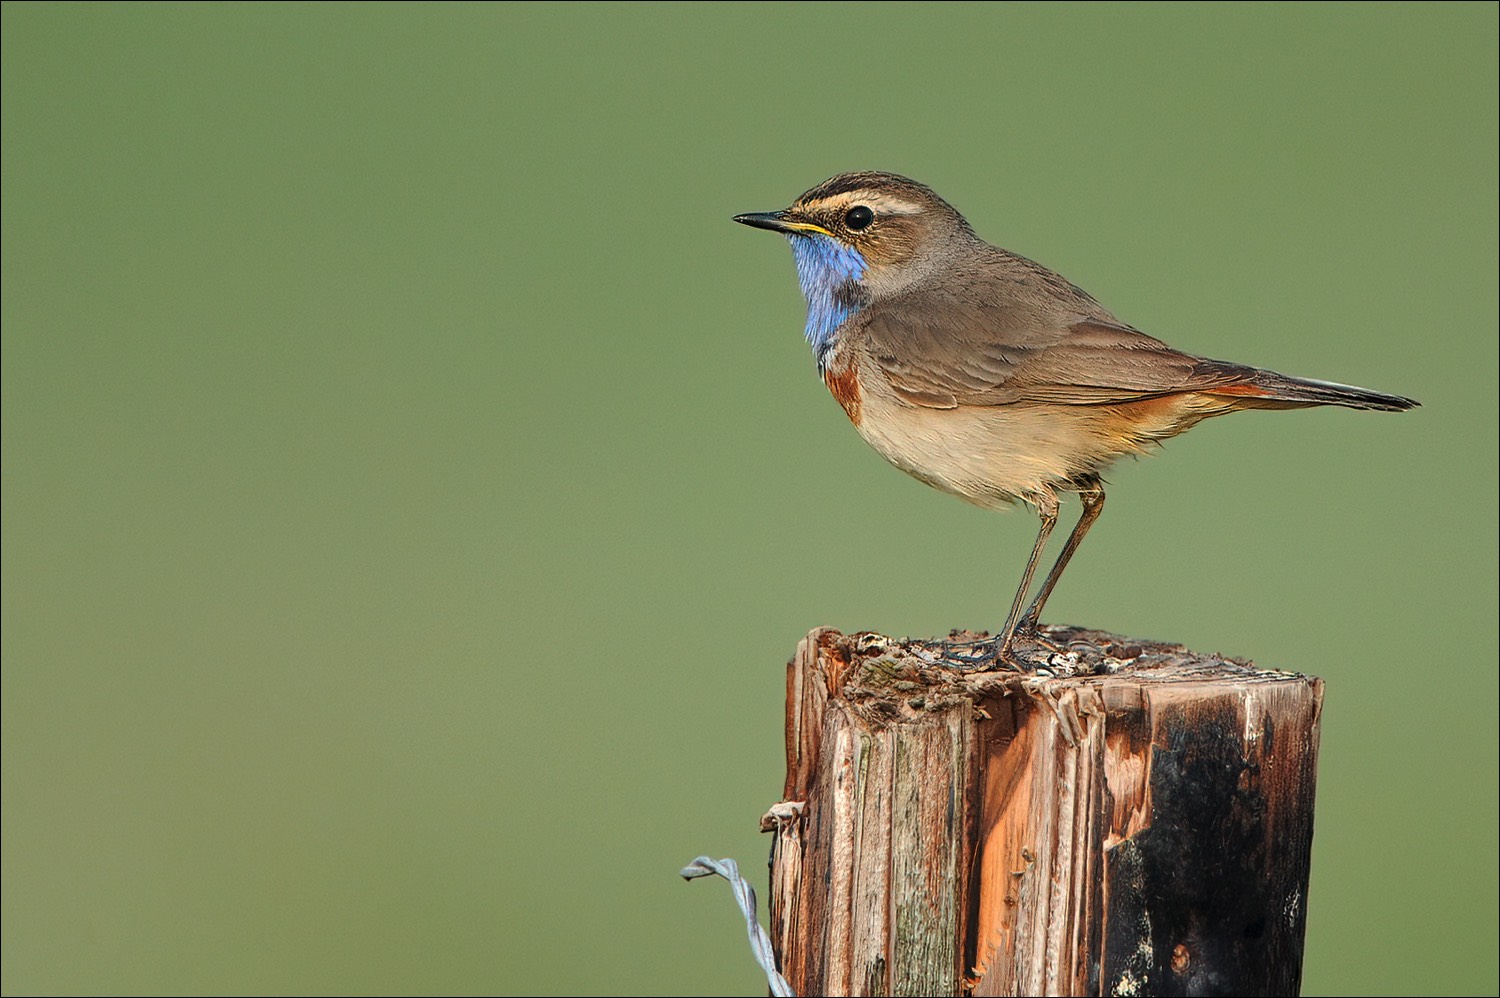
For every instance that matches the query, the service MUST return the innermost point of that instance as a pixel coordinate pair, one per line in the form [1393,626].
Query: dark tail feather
[1270,390]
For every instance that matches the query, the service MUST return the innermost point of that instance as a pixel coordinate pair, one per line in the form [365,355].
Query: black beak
[780,221]
[773,220]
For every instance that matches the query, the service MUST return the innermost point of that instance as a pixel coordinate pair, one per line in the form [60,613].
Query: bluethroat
[989,376]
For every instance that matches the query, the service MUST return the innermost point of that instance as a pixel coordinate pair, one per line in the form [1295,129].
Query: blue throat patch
[829,273]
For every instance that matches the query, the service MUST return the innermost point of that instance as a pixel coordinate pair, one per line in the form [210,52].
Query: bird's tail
[1269,390]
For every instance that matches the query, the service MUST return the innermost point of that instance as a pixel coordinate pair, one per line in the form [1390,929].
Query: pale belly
[993,455]
[989,456]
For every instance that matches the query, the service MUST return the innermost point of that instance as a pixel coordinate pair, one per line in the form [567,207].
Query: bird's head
[897,228]
[859,237]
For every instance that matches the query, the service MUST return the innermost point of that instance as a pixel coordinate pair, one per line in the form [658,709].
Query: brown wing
[1100,362]
[1008,338]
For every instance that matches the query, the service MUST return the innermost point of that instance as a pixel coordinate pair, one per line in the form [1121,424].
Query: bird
[990,377]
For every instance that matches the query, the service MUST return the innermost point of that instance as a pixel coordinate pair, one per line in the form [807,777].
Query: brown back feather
[1004,330]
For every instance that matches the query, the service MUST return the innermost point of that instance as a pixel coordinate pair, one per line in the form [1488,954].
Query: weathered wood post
[1133,819]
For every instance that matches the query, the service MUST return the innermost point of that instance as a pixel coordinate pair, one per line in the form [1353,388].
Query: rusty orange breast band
[843,382]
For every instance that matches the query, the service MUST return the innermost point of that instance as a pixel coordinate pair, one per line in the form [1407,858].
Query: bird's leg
[1093,502]
[1047,509]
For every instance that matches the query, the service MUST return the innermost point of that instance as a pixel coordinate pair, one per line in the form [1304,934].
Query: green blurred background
[414,483]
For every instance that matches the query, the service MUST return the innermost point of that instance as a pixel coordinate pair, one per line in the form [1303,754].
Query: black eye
[858,217]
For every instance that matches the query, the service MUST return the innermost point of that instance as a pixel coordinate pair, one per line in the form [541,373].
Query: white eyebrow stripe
[881,204]
[887,205]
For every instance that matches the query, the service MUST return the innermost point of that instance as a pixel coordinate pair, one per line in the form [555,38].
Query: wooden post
[1133,819]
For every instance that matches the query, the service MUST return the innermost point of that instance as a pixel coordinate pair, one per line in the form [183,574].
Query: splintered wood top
[904,677]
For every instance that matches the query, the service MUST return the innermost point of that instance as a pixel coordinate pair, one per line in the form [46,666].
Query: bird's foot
[1033,649]
[1062,651]
[1029,648]
[1034,646]
[979,653]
